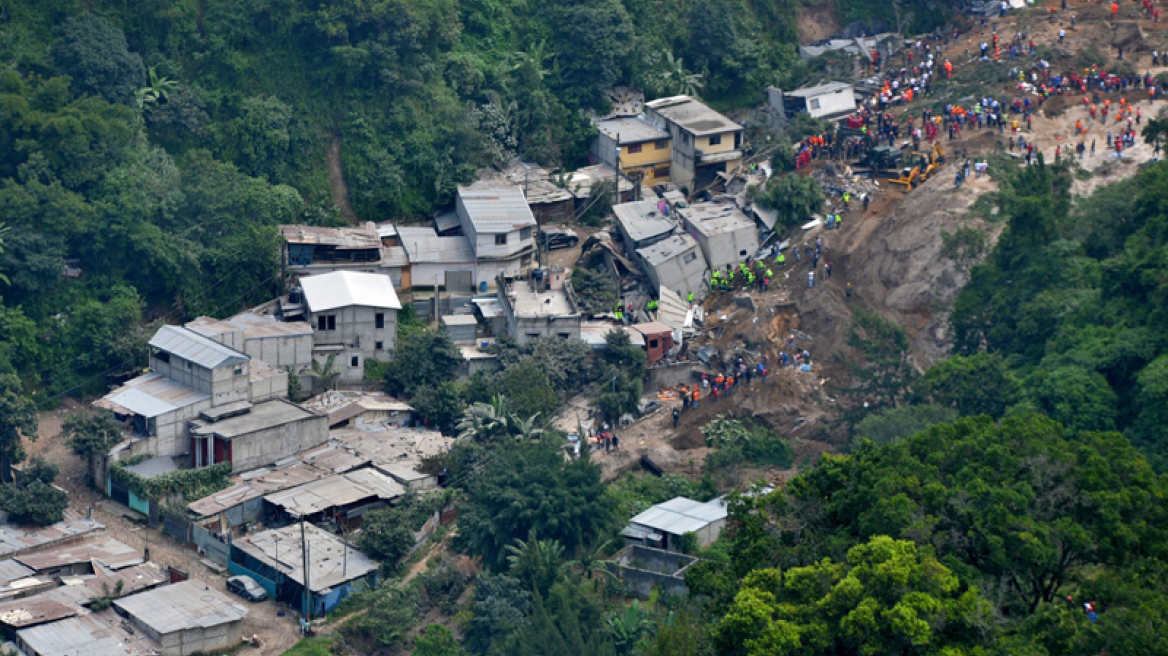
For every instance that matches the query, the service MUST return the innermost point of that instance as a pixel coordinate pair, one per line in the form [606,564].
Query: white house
[499,224]
[354,318]
[826,101]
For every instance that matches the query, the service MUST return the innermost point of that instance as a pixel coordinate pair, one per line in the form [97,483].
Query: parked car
[556,238]
[246,587]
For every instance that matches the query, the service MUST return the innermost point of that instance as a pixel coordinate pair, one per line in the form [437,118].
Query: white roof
[339,289]
[496,206]
[181,606]
[680,515]
[189,345]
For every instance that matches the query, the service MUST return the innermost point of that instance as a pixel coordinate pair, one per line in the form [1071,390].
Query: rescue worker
[690,298]
[781,259]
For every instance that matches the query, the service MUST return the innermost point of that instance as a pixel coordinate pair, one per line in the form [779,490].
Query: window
[377,346]
[633,149]
[326,322]
[741,253]
[652,343]
[525,234]
[379,320]
[501,240]
[661,172]
[239,371]
[689,257]
[533,335]
[661,145]
[354,361]
[814,104]
[716,140]
[162,356]
[332,318]
[565,335]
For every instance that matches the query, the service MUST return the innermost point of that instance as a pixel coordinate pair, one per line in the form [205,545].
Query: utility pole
[305,564]
[616,177]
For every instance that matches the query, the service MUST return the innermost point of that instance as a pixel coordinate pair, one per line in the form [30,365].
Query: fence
[209,545]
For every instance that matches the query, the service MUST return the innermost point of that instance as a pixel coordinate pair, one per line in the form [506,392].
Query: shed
[186,618]
[658,339]
[461,327]
[663,525]
[97,634]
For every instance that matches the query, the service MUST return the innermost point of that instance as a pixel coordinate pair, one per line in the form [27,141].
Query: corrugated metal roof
[16,539]
[109,552]
[10,570]
[495,206]
[680,515]
[339,289]
[34,610]
[336,491]
[181,607]
[256,487]
[424,246]
[150,395]
[189,345]
[332,562]
[259,326]
[97,634]
[359,237]
[640,220]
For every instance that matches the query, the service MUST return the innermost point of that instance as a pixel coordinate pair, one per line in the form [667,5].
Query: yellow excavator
[931,161]
[910,176]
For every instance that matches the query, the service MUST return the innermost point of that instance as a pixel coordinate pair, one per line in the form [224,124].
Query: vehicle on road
[557,238]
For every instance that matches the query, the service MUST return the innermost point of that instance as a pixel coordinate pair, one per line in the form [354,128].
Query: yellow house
[643,149]
[705,142]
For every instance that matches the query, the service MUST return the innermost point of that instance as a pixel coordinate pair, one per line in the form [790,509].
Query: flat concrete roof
[641,220]
[693,116]
[667,249]
[528,304]
[268,414]
[714,218]
[631,129]
[181,607]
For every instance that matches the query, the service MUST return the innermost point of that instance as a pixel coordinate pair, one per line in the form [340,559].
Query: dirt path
[336,178]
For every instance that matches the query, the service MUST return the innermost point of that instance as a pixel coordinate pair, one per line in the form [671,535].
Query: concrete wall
[669,375]
[832,103]
[281,352]
[263,447]
[356,331]
[269,388]
[642,569]
[731,247]
[203,640]
[526,329]
[223,384]
[685,273]
[169,431]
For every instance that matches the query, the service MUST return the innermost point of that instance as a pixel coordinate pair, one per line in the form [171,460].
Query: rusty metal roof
[359,237]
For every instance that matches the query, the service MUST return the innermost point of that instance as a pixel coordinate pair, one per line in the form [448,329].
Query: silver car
[246,587]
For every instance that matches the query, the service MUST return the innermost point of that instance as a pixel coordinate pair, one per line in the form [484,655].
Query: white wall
[832,103]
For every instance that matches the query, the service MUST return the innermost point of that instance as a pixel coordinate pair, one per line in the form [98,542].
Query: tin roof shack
[354,316]
[549,202]
[676,263]
[186,618]
[643,151]
[82,559]
[346,408]
[253,436]
[543,306]
[826,101]
[16,540]
[662,526]
[642,224]
[313,250]
[583,180]
[243,501]
[704,142]
[285,345]
[98,634]
[724,233]
[462,328]
[658,339]
[275,559]
[343,498]
[496,219]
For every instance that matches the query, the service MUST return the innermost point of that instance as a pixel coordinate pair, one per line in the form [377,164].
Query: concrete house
[189,374]
[354,317]
[724,233]
[704,143]
[443,261]
[642,223]
[285,345]
[250,436]
[544,306]
[676,263]
[498,222]
[644,151]
[826,101]
[185,618]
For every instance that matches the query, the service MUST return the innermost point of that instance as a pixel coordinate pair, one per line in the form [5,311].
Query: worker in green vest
[619,311]
[781,259]
[690,298]
[769,274]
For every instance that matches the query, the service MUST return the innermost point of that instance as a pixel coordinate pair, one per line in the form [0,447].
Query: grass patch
[316,646]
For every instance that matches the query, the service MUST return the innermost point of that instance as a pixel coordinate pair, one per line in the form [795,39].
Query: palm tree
[535,561]
[628,628]
[485,420]
[590,562]
[677,80]
[326,373]
[158,91]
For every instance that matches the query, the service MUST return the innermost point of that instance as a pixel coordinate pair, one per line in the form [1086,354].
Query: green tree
[95,55]
[897,424]
[887,597]
[437,640]
[91,434]
[974,385]
[794,197]
[595,290]
[439,407]
[423,359]
[18,421]
[531,488]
